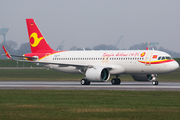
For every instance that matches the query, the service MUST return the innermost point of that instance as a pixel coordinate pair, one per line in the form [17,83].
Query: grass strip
[88,105]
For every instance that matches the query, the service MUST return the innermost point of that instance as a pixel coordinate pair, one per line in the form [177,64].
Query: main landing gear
[116,81]
[85,82]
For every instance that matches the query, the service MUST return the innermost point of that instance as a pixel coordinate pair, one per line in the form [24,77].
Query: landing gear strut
[116,81]
[85,82]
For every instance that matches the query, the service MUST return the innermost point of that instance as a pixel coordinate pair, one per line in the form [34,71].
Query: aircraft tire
[84,82]
[155,82]
[113,81]
[118,81]
[88,83]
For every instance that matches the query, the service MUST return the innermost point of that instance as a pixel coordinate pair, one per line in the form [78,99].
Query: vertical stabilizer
[36,39]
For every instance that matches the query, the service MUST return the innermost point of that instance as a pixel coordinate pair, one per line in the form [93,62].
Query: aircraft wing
[7,53]
[34,58]
[10,56]
[60,64]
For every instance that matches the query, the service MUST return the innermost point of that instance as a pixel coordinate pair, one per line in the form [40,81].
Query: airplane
[97,66]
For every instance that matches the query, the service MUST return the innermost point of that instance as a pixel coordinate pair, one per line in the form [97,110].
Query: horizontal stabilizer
[33,58]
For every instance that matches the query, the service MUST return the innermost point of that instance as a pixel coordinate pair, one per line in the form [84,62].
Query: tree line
[11,46]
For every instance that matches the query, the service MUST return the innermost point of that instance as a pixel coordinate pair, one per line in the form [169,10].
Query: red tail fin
[36,39]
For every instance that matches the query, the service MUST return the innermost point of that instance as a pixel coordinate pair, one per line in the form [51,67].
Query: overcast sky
[86,23]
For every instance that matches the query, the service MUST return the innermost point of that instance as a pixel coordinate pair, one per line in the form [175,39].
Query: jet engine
[97,74]
[143,77]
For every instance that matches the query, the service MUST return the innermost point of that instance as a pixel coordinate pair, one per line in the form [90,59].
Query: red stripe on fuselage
[156,62]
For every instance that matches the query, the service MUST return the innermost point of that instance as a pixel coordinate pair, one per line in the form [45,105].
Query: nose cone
[174,65]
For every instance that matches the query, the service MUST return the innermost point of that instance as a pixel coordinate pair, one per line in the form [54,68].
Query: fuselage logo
[36,39]
[143,54]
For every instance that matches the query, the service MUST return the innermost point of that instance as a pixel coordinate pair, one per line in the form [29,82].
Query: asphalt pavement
[75,85]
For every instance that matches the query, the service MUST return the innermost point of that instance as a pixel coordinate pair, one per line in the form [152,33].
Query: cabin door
[46,59]
[148,58]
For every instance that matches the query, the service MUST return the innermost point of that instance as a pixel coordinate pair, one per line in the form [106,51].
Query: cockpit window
[163,58]
[159,58]
[169,58]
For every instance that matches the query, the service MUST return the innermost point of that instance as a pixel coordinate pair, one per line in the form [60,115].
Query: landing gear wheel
[84,82]
[155,82]
[88,83]
[115,81]
[118,81]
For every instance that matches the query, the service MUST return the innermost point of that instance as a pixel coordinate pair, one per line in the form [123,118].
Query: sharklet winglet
[7,53]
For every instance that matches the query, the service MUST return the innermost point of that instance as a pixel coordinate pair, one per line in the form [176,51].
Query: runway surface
[75,85]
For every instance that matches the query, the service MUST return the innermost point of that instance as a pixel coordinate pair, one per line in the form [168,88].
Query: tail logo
[36,39]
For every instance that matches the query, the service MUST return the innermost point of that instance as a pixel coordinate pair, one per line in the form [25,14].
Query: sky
[86,23]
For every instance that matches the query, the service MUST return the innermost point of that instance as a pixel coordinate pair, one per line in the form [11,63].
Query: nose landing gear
[155,82]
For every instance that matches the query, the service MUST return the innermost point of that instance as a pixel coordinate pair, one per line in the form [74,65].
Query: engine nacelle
[143,77]
[97,74]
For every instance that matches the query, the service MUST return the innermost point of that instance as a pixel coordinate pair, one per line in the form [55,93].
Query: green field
[11,63]
[36,74]
[88,105]
[50,75]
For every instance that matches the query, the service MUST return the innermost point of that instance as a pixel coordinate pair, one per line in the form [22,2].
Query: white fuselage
[119,61]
